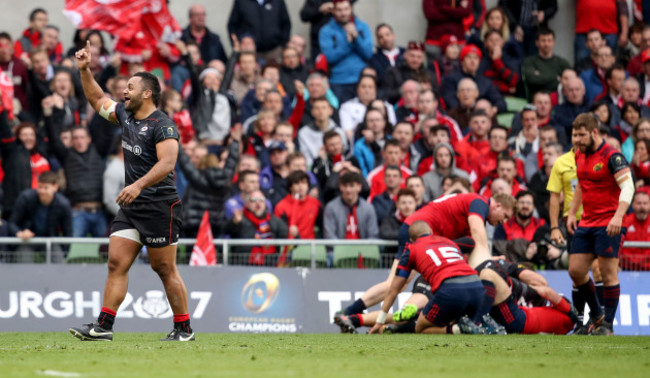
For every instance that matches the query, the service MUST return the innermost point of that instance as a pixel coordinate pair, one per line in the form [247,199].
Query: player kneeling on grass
[458,299]
[505,291]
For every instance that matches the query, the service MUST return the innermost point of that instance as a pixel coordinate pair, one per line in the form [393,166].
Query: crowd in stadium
[343,140]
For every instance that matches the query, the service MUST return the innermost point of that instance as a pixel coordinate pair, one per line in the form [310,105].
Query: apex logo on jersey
[260,292]
[598,167]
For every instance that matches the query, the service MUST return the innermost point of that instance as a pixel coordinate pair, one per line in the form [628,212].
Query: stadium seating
[347,256]
[301,256]
[84,253]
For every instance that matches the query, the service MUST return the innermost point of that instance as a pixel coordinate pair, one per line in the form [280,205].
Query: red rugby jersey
[447,215]
[435,258]
[600,191]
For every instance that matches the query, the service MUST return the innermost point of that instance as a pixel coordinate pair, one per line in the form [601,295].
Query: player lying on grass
[420,296]
[451,216]
[558,318]
[458,303]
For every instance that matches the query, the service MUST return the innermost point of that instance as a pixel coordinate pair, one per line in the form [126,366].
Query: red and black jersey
[447,215]
[600,191]
[435,258]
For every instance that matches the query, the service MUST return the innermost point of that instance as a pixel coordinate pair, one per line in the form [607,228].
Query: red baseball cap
[446,40]
[416,45]
[645,56]
[470,49]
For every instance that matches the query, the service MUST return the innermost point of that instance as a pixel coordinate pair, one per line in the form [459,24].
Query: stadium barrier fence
[309,253]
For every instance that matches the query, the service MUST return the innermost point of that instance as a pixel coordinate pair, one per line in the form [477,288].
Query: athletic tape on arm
[106,113]
[627,188]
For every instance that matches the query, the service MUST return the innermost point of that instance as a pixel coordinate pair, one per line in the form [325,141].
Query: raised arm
[103,105]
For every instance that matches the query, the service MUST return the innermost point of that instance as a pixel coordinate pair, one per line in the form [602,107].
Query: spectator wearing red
[638,229]
[15,68]
[428,106]
[506,170]
[450,60]
[499,64]
[476,143]
[470,60]
[299,210]
[634,66]
[610,17]
[50,40]
[405,205]
[523,225]
[444,17]
[435,135]
[392,155]
[414,67]
[32,35]
[641,162]
[22,162]
[498,146]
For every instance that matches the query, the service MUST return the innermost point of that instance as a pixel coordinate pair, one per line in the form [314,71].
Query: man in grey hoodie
[444,165]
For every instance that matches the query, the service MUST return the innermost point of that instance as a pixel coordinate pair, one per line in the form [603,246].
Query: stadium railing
[95,250]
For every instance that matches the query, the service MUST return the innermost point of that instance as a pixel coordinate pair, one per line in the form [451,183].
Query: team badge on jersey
[598,167]
[169,132]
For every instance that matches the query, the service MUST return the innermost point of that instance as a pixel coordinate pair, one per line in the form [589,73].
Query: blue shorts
[402,239]
[509,315]
[453,300]
[596,241]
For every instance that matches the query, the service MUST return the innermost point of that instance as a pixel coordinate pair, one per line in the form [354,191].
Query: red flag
[204,252]
[360,262]
[117,17]
[124,18]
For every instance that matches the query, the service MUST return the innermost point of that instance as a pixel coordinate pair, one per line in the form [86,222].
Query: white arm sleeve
[106,112]
[626,184]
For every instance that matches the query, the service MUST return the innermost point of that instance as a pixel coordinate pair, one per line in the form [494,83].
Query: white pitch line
[55,373]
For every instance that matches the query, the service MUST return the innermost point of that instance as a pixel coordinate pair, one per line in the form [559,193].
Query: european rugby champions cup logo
[260,292]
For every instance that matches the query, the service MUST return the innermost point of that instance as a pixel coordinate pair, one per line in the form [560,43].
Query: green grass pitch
[324,355]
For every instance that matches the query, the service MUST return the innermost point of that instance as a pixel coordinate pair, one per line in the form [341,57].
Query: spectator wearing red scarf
[256,222]
[31,36]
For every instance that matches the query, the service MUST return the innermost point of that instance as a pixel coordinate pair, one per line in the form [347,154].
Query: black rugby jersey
[139,139]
